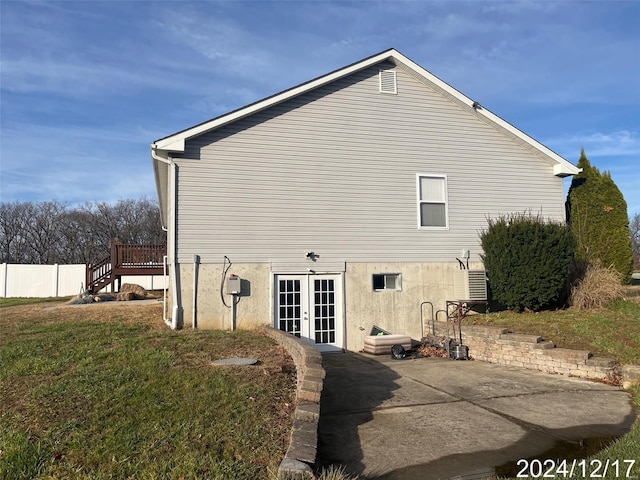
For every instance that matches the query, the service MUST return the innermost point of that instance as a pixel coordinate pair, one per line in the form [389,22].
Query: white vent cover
[388,82]
[470,285]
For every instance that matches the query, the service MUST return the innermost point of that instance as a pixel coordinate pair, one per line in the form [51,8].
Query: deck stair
[124,259]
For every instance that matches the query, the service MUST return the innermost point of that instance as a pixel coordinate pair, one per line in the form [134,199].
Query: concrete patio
[433,418]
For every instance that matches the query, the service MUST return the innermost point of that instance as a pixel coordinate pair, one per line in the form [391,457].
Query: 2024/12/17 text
[576,468]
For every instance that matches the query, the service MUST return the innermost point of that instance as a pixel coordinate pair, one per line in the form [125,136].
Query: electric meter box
[234,285]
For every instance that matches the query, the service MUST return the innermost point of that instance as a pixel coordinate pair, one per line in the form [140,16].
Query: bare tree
[634,227]
[14,246]
[51,232]
[80,242]
[42,230]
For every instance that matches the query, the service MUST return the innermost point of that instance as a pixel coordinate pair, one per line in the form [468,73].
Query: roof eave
[561,167]
[177,141]
[161,186]
[565,169]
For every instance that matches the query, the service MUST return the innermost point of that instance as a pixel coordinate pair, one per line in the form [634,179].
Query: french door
[310,307]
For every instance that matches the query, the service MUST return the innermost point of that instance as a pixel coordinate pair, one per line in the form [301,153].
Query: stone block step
[521,337]
[567,355]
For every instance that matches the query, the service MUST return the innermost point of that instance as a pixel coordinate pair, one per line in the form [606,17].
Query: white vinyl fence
[57,280]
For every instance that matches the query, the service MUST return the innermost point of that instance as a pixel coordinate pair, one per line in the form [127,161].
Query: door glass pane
[324,310]
[289,308]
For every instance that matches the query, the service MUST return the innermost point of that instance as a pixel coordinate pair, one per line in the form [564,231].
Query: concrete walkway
[433,418]
[110,303]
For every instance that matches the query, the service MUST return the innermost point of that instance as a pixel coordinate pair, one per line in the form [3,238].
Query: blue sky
[87,86]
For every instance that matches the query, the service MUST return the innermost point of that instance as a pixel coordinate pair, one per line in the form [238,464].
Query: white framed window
[386,281]
[433,209]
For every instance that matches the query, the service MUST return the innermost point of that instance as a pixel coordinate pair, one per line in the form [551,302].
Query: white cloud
[227,46]
[617,152]
[519,7]
[80,184]
[77,76]
[598,144]
[82,163]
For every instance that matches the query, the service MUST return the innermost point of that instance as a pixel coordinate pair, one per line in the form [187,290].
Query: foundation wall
[252,310]
[397,311]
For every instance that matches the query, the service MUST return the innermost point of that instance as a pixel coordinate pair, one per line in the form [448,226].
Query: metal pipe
[194,312]
[164,295]
[174,321]
[234,312]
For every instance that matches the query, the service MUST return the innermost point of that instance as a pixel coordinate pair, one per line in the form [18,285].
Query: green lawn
[111,393]
[14,301]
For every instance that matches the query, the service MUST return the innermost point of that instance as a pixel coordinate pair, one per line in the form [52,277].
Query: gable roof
[176,142]
[161,149]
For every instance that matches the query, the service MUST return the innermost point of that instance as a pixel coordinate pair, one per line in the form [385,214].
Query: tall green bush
[527,261]
[597,214]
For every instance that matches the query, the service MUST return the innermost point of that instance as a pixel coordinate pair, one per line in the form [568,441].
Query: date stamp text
[576,468]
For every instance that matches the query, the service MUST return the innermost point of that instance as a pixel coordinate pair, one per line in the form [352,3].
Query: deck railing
[125,260]
[137,256]
[98,273]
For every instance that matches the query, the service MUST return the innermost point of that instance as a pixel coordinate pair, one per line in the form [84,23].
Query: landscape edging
[303,444]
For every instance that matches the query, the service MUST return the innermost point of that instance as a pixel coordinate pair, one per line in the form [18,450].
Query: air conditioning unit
[470,285]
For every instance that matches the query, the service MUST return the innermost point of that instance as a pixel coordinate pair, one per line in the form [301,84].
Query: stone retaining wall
[303,444]
[498,345]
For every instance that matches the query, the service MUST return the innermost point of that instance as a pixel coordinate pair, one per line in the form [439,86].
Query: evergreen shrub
[527,261]
[597,213]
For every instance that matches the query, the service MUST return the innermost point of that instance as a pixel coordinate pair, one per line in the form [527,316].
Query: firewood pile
[433,346]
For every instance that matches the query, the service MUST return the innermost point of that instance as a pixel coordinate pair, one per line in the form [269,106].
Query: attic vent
[388,82]
[470,285]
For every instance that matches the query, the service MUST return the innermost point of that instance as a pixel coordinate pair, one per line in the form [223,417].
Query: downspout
[174,321]
[194,312]
[166,289]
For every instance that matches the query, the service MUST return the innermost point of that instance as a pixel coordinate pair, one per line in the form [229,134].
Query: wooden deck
[125,260]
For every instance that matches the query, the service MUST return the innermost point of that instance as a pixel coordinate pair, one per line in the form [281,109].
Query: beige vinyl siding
[334,171]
